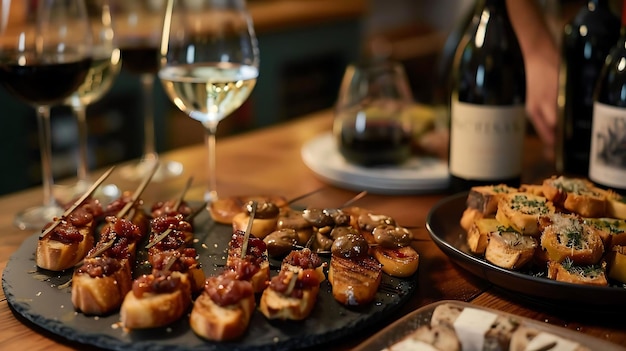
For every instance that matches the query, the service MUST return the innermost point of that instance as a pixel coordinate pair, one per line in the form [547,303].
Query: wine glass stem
[81,122]
[45,148]
[211,130]
[147,84]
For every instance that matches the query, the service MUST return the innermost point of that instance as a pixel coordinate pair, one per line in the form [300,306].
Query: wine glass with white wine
[209,64]
[105,67]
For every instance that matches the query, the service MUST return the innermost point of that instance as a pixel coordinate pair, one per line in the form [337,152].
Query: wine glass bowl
[371,124]
[105,66]
[45,53]
[209,64]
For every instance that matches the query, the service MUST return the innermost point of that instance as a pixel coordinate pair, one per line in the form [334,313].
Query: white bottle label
[486,142]
[607,157]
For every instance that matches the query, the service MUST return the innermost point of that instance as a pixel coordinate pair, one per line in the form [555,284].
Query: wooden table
[268,161]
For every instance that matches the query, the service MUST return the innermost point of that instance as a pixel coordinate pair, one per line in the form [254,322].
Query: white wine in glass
[104,68]
[45,54]
[210,64]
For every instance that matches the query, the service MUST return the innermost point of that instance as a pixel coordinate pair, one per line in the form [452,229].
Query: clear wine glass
[105,67]
[45,53]
[371,124]
[138,26]
[209,64]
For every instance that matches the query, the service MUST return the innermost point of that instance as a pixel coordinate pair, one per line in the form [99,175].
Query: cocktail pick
[246,236]
[138,192]
[77,203]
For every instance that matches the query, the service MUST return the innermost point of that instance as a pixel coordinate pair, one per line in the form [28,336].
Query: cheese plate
[422,316]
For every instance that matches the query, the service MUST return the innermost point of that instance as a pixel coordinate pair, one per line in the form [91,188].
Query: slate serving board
[39,296]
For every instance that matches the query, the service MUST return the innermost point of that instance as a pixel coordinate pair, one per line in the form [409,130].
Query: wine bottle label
[486,142]
[607,159]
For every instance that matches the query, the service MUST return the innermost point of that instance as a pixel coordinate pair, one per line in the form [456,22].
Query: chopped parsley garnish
[588,271]
[525,205]
[574,238]
[501,189]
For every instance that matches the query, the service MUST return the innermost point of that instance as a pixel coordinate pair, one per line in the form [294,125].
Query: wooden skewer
[182,194]
[77,203]
[170,261]
[354,199]
[300,197]
[121,213]
[138,192]
[244,244]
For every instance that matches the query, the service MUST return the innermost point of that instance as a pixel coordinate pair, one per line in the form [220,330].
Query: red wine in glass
[384,142]
[43,83]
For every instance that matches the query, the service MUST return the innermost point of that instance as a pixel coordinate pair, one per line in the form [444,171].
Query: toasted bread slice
[616,263]
[521,212]
[510,249]
[569,237]
[577,274]
[275,305]
[220,323]
[292,293]
[469,216]
[612,231]
[397,262]
[224,209]
[535,189]
[101,295]
[478,234]
[576,195]
[57,256]
[261,227]
[485,198]
[354,281]
[616,205]
[153,310]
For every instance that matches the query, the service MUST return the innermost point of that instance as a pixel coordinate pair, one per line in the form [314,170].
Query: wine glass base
[210,196]
[36,218]
[65,194]
[138,171]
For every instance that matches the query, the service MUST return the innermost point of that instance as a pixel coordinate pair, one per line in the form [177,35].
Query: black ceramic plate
[443,225]
[409,323]
[36,295]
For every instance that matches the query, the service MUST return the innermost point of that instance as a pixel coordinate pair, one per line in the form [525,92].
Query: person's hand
[541,96]
[541,59]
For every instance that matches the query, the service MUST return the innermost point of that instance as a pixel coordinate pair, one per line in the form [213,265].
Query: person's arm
[541,57]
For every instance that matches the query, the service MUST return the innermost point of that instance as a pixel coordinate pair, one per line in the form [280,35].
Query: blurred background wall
[305,46]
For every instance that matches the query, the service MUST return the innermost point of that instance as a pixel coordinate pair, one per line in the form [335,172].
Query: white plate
[417,175]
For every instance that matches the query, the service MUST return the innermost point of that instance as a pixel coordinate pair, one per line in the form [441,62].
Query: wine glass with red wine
[210,64]
[138,25]
[371,126]
[45,54]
